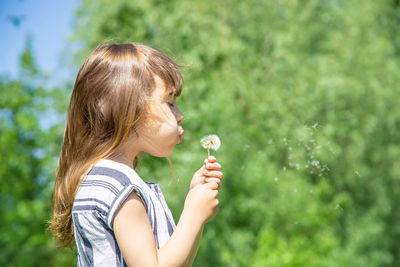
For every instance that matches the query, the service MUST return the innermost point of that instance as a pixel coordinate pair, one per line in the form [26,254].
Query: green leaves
[262,74]
[304,95]
[27,167]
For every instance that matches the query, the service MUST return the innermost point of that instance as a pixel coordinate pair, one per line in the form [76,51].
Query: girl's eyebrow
[169,95]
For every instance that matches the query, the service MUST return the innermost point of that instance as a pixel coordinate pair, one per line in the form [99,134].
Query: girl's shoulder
[113,170]
[106,186]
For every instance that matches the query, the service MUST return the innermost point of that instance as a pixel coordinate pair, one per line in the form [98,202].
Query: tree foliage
[304,96]
[29,141]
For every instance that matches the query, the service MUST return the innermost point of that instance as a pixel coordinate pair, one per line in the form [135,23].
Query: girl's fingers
[212,185]
[213,166]
[210,159]
[202,169]
[216,180]
[216,174]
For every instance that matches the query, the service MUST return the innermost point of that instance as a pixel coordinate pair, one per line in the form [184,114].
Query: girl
[123,103]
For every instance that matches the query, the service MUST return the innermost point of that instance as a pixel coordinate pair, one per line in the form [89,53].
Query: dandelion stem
[208,151]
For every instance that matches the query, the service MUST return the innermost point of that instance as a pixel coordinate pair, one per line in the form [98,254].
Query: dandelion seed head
[210,142]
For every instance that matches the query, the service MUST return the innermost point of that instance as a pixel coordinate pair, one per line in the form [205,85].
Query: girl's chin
[162,154]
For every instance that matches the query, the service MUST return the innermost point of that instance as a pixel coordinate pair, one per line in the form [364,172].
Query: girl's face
[163,130]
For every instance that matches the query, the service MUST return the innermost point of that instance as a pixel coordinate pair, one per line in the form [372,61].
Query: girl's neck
[126,157]
[126,152]
[122,159]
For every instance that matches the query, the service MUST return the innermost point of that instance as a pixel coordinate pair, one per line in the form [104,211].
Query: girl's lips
[181,135]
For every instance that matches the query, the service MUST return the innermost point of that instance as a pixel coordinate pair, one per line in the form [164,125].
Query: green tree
[30,137]
[304,97]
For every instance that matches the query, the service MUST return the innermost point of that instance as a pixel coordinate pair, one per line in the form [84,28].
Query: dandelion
[210,142]
[315,163]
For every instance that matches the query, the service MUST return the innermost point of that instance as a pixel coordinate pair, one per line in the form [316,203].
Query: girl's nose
[179,116]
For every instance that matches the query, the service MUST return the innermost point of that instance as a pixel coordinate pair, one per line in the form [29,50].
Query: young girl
[123,103]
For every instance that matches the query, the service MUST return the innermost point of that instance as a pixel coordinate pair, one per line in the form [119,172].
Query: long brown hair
[108,103]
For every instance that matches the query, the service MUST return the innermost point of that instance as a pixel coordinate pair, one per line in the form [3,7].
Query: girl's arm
[135,237]
[190,260]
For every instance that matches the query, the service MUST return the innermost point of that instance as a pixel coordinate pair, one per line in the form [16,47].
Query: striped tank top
[99,197]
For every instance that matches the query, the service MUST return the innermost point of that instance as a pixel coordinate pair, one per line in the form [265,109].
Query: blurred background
[304,96]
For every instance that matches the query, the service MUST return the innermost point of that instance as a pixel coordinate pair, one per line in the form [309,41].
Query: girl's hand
[201,202]
[210,171]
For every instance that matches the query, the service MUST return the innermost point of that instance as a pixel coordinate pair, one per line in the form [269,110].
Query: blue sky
[49,23]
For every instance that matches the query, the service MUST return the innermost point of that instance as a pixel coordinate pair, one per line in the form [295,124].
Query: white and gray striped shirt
[99,197]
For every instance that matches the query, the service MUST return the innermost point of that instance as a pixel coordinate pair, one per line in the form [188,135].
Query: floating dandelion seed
[210,142]
[315,163]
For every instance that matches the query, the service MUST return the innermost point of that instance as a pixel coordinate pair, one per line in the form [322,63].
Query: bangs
[166,69]
[173,81]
